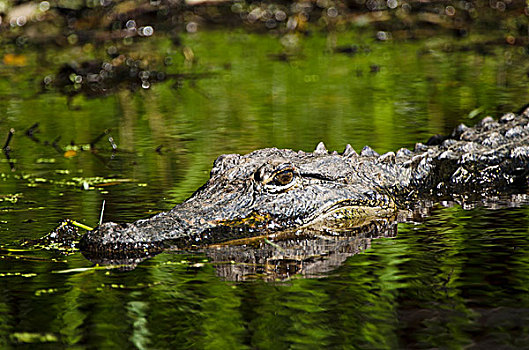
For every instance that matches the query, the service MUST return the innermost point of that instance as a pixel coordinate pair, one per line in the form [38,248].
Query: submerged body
[272,190]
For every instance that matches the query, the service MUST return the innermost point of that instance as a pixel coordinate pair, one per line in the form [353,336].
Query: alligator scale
[279,190]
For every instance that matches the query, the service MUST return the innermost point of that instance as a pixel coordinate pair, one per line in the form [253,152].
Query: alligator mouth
[348,214]
[343,218]
[338,216]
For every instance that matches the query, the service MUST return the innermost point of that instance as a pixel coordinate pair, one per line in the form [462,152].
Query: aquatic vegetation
[12,198]
[78,182]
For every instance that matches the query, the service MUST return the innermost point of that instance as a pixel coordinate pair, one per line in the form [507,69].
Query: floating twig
[55,145]
[31,132]
[102,211]
[10,161]
[83,226]
[6,147]
[91,268]
[98,138]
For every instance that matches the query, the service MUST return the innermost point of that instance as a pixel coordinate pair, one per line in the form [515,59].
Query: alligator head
[272,190]
[266,191]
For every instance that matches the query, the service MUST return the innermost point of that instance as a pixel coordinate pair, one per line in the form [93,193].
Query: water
[456,278]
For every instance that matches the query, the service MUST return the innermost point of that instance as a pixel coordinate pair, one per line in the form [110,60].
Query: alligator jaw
[348,215]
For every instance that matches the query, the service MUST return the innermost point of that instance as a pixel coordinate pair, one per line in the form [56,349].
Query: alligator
[271,191]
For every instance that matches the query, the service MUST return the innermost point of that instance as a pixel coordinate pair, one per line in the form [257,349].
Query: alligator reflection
[304,253]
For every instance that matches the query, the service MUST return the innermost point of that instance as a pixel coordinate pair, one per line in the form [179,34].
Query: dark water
[457,278]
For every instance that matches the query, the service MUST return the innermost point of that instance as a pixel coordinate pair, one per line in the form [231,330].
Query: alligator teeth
[321,149]
[349,151]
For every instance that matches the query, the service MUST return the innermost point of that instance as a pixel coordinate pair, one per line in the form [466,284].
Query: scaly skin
[271,190]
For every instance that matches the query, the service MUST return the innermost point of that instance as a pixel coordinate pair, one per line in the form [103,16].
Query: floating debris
[103,78]
[18,274]
[27,337]
[13,198]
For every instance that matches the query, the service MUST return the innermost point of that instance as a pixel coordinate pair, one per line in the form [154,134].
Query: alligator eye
[283,178]
[279,180]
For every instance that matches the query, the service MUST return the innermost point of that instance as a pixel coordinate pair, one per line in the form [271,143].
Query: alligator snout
[119,239]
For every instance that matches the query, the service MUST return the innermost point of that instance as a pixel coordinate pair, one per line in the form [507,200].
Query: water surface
[455,278]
